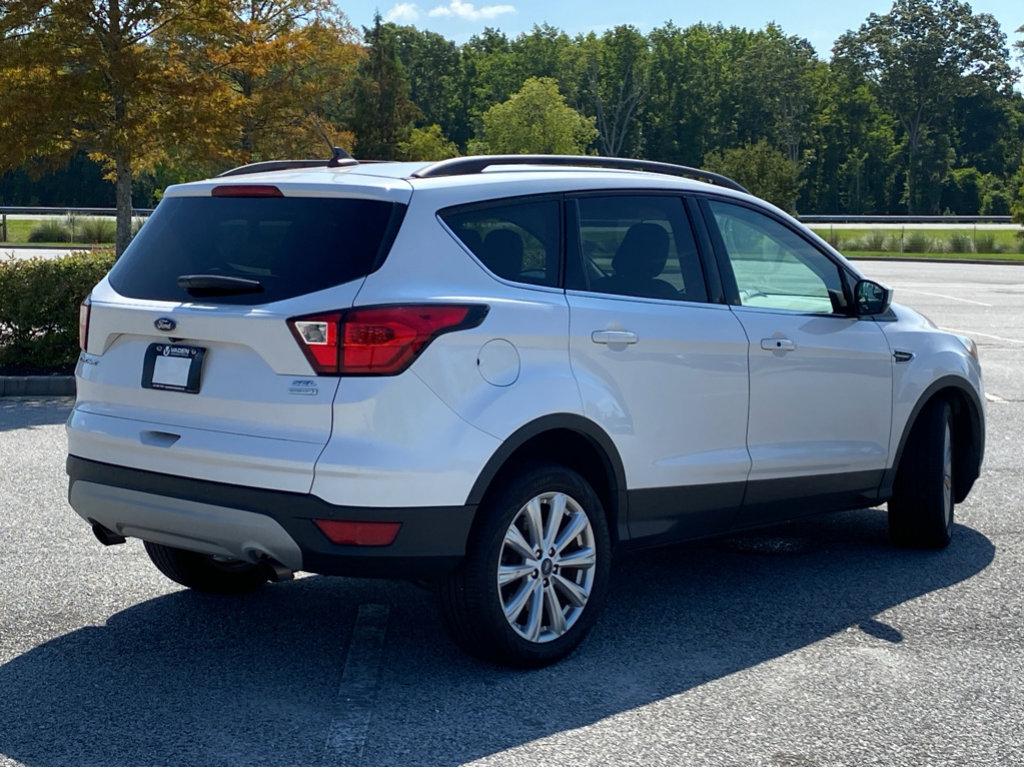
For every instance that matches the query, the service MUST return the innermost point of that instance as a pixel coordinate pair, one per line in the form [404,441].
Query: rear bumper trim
[237,521]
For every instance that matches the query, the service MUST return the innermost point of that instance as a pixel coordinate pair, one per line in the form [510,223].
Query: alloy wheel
[546,568]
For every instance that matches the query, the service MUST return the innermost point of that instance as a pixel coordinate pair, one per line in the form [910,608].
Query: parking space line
[943,296]
[986,335]
[357,694]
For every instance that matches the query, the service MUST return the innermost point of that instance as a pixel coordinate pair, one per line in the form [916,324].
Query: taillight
[378,341]
[84,310]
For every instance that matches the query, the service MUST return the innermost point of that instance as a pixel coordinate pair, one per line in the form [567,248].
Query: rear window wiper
[218,284]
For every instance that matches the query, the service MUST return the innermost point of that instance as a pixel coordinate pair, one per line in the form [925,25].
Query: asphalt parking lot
[811,643]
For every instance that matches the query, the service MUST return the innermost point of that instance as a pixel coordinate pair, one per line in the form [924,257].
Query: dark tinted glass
[516,241]
[291,245]
[640,245]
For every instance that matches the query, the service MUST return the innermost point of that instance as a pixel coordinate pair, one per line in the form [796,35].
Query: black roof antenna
[338,154]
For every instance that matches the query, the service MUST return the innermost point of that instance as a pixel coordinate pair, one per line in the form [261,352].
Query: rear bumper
[244,522]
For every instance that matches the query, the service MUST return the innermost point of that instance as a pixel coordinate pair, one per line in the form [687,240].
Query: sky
[820,21]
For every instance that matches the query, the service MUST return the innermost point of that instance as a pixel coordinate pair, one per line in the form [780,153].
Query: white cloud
[469,11]
[403,13]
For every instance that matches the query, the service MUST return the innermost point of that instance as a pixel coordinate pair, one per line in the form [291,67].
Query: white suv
[493,373]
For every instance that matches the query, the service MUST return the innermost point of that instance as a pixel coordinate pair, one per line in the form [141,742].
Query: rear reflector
[378,341]
[84,310]
[246,190]
[359,534]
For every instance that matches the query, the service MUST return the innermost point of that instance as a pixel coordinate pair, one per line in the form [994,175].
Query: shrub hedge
[39,301]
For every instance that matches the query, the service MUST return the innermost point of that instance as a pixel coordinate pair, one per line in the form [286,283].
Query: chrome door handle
[613,337]
[778,345]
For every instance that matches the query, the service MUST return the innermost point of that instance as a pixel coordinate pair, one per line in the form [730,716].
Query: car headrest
[643,252]
[503,252]
[471,239]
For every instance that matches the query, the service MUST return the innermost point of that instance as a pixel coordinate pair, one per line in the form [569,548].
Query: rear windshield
[291,245]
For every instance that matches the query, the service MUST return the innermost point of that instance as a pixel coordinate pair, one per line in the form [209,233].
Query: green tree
[961,192]
[996,195]
[688,80]
[382,113]
[774,90]
[921,56]
[1017,206]
[535,120]
[434,67]
[849,155]
[762,169]
[494,67]
[83,75]
[427,143]
[615,87]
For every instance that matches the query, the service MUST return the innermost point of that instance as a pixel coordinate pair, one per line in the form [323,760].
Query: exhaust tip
[276,571]
[105,536]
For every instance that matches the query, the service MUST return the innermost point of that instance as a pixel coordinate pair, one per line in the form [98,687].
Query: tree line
[913,111]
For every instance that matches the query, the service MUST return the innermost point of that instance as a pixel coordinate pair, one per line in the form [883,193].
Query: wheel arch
[968,420]
[569,439]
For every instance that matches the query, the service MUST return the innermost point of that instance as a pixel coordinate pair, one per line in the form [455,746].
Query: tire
[921,508]
[474,605]
[203,573]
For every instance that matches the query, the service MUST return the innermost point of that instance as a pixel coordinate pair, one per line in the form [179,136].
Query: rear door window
[639,245]
[517,240]
[290,245]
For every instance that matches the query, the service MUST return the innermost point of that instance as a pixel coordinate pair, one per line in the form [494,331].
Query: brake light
[378,341]
[359,534]
[84,310]
[246,190]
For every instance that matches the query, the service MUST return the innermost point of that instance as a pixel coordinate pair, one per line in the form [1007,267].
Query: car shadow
[194,679]
[26,413]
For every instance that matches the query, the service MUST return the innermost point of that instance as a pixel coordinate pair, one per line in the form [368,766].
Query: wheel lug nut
[546,583]
[534,575]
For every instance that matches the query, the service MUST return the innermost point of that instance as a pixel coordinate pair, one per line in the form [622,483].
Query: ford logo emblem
[165,324]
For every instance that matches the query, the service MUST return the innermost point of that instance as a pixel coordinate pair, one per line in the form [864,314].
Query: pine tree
[382,113]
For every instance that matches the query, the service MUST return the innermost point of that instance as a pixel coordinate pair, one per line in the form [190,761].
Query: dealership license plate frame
[173,367]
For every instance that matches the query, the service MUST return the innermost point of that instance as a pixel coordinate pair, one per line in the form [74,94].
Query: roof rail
[339,158]
[458,166]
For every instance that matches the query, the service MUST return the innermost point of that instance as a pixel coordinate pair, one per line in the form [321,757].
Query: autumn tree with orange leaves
[82,75]
[139,83]
[281,67]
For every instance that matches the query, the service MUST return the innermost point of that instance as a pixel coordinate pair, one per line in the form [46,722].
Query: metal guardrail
[25,210]
[902,219]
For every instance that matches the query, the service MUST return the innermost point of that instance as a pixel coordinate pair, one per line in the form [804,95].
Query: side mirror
[870,298]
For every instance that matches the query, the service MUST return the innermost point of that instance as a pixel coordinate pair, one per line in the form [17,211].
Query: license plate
[174,367]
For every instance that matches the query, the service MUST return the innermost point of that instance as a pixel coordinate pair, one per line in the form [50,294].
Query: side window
[639,245]
[515,240]
[774,267]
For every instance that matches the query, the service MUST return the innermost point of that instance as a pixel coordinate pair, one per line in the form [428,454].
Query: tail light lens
[378,341]
[83,323]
